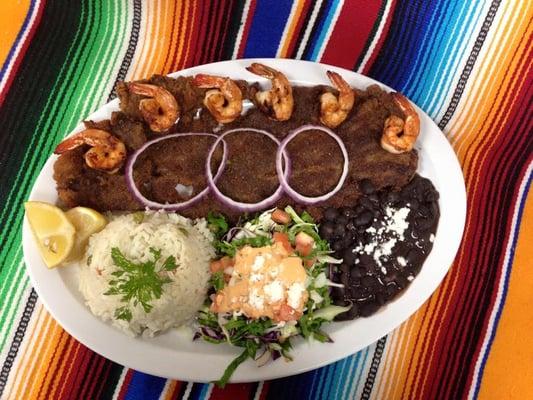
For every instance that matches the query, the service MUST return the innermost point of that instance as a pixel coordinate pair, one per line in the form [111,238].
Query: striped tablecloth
[466,63]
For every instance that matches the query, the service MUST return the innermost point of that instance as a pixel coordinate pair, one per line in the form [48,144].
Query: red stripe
[177,389]
[201,33]
[234,391]
[125,384]
[264,391]
[246,30]
[22,52]
[79,366]
[225,31]
[381,39]
[351,33]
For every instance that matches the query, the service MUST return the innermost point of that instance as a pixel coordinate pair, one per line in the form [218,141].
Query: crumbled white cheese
[255,299]
[274,272]
[402,261]
[432,238]
[386,236]
[274,291]
[295,295]
[256,277]
[384,270]
[410,278]
[259,262]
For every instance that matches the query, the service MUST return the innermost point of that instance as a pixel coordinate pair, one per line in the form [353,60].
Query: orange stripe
[51,371]
[143,43]
[292,26]
[21,367]
[12,16]
[175,30]
[44,359]
[40,330]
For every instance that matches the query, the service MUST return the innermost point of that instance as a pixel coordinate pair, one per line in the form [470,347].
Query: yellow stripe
[59,377]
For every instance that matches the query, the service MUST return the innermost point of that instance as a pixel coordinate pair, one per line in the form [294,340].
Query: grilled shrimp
[161,110]
[278,101]
[225,102]
[107,153]
[399,135]
[333,109]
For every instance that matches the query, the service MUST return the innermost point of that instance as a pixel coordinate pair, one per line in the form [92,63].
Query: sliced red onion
[173,206]
[283,175]
[237,205]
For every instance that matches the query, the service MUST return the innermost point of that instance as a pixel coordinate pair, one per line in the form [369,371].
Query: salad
[268,285]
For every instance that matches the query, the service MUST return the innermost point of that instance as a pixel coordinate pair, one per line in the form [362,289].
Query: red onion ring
[283,175]
[237,205]
[173,206]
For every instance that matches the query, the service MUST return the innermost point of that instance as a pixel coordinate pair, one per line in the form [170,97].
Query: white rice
[188,241]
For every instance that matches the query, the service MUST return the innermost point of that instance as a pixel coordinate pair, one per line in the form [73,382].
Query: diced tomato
[304,244]
[283,239]
[215,266]
[287,313]
[309,263]
[227,262]
[281,217]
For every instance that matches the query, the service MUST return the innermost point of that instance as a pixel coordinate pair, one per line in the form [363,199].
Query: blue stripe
[323,29]
[452,69]
[505,285]
[11,53]
[144,387]
[267,28]
[362,367]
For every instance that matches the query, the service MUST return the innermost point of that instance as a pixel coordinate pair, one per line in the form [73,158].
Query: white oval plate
[174,355]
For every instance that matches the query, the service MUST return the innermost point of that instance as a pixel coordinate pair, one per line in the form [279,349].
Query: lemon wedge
[86,221]
[52,230]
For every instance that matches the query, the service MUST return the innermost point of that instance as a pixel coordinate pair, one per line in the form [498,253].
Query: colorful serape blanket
[466,63]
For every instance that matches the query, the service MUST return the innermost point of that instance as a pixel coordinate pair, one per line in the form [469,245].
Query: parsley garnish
[230,248]
[217,224]
[138,283]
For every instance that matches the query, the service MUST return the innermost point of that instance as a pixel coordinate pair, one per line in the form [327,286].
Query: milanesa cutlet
[250,173]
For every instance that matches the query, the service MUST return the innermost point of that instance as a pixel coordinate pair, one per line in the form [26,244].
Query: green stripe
[87,64]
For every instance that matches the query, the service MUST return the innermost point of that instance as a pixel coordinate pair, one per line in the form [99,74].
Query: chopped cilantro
[138,283]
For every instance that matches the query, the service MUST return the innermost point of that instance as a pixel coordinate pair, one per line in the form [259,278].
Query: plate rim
[256,374]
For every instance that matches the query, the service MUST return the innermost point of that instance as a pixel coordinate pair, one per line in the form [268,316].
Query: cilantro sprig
[138,283]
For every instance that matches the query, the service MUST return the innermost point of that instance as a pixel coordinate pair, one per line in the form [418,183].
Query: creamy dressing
[264,280]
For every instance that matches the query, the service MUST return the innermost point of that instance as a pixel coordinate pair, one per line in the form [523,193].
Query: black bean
[366,260]
[423,211]
[367,203]
[327,230]
[414,256]
[414,204]
[434,209]
[368,308]
[392,289]
[345,280]
[366,186]
[337,292]
[374,198]
[363,218]
[359,209]
[341,220]
[401,281]
[339,231]
[351,226]
[381,298]
[348,212]
[359,292]
[369,282]
[348,257]
[344,268]
[337,246]
[358,272]
[330,214]
[393,197]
